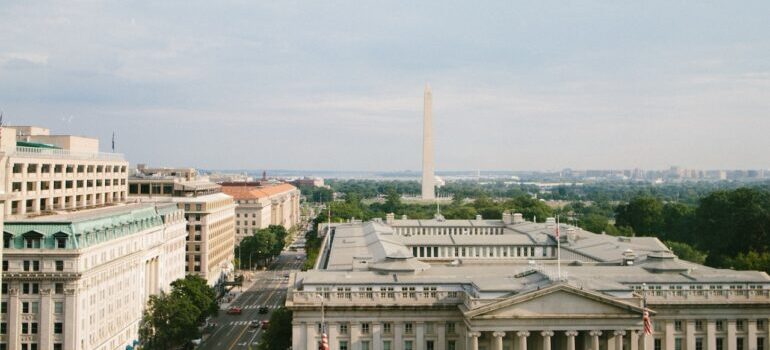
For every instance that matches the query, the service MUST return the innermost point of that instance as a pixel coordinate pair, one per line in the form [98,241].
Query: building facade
[258,207]
[209,213]
[498,285]
[46,173]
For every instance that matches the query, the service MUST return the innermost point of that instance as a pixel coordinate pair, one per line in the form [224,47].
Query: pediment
[560,300]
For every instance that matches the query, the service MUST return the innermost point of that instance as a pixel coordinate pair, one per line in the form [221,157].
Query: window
[57,346]
[450,345]
[450,328]
[386,328]
[24,328]
[343,345]
[386,345]
[59,265]
[699,325]
[720,325]
[5,265]
[58,307]
[4,288]
[343,328]
[59,288]
[429,345]
[408,345]
[658,343]
[739,343]
[739,325]
[720,343]
[4,307]
[678,326]
[678,344]
[3,328]
[30,288]
[32,242]
[365,345]
[365,328]
[33,327]
[698,343]
[58,328]
[408,328]
[761,325]
[760,343]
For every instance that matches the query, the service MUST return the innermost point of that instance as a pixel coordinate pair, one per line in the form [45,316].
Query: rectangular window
[657,344]
[386,327]
[408,345]
[4,307]
[760,343]
[364,345]
[450,345]
[739,325]
[720,325]
[720,343]
[58,328]
[24,328]
[343,328]
[429,345]
[739,343]
[57,346]
[343,345]
[678,326]
[677,343]
[59,288]
[58,307]
[365,328]
[699,325]
[59,265]
[698,343]
[386,345]
[450,328]
[761,325]
[5,265]
[3,328]
[33,327]
[408,328]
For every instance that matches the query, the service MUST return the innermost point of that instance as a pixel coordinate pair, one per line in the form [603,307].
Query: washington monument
[428,168]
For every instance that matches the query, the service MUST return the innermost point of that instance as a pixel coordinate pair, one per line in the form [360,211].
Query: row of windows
[387,328]
[720,343]
[477,251]
[33,168]
[441,231]
[32,328]
[32,288]
[408,345]
[34,265]
[67,184]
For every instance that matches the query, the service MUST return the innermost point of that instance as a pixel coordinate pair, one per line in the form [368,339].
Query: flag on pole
[324,342]
[647,322]
[113,141]
[557,228]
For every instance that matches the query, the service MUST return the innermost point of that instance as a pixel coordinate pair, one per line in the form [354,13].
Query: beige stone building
[45,173]
[78,263]
[496,285]
[261,206]
[210,216]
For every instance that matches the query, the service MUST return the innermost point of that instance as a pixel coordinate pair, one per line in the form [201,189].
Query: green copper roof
[85,228]
[36,145]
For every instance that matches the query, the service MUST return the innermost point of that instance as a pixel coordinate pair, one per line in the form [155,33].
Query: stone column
[669,335]
[731,343]
[14,318]
[474,340]
[377,336]
[595,339]
[522,339]
[711,335]
[440,328]
[312,339]
[355,336]
[634,340]
[752,334]
[690,335]
[571,339]
[46,324]
[398,336]
[333,334]
[498,340]
[419,336]
[648,342]
[71,311]
[619,339]
[546,339]
[297,336]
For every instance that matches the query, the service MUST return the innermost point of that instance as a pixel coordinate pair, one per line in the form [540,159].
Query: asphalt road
[233,331]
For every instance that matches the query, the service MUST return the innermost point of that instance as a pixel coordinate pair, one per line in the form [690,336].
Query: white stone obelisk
[428,168]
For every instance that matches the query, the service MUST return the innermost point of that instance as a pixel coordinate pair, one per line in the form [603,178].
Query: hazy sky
[338,85]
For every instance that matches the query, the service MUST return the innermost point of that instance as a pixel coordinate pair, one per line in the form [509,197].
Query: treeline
[729,227]
[262,245]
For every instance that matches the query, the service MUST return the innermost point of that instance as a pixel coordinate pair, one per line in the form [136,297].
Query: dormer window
[60,239]
[7,240]
[32,239]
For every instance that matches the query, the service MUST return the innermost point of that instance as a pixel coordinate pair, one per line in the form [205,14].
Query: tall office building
[209,212]
[79,263]
[259,206]
[496,285]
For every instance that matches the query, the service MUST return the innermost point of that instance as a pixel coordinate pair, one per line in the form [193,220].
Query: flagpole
[558,248]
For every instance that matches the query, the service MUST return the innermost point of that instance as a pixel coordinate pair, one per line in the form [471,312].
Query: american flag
[324,344]
[647,322]
[557,228]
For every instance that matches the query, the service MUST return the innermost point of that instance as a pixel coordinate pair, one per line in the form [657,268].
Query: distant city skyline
[338,85]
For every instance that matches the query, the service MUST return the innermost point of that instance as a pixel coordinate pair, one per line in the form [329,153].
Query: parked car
[265,324]
[263,310]
[234,311]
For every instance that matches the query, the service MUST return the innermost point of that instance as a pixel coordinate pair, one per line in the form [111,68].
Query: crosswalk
[239,323]
[253,307]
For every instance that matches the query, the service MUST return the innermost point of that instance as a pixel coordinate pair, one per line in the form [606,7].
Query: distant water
[364,175]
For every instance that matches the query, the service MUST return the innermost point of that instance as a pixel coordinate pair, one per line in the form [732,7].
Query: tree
[732,222]
[686,252]
[169,321]
[278,335]
[678,222]
[643,214]
[195,289]
[750,261]
[392,202]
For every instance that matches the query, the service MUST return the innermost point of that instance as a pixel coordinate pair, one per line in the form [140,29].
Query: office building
[259,206]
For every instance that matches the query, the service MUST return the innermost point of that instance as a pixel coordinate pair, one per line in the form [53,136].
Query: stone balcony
[732,296]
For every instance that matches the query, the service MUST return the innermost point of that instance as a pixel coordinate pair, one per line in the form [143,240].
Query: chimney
[628,257]
[404,217]
[507,218]
[518,218]
[390,218]
[478,217]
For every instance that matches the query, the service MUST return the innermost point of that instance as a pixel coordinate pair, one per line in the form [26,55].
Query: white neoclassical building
[259,206]
[496,285]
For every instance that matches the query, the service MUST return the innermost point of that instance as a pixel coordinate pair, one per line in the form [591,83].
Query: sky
[337,85]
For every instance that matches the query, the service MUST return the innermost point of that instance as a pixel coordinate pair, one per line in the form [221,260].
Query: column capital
[547,333]
[595,333]
[619,332]
[522,334]
[498,334]
[571,333]
[474,334]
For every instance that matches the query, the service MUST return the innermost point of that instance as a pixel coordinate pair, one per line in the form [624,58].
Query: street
[268,289]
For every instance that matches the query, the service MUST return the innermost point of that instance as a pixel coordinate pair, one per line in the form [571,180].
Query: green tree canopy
[278,335]
[195,289]
[169,321]
[643,214]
